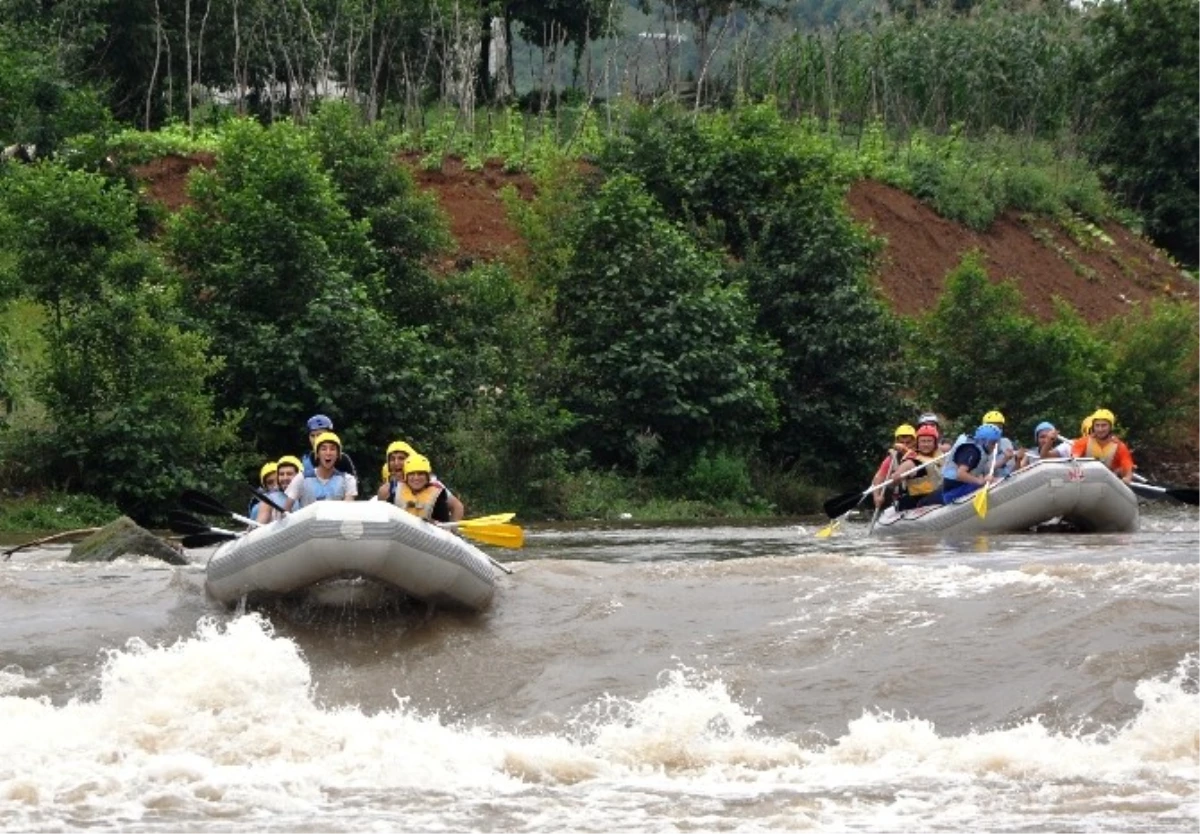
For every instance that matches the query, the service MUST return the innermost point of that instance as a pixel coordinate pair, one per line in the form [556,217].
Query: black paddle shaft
[187,524]
[199,502]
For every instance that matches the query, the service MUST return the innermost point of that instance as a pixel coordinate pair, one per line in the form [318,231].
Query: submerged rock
[123,537]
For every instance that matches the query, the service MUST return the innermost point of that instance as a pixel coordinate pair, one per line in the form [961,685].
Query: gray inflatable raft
[1082,492]
[335,539]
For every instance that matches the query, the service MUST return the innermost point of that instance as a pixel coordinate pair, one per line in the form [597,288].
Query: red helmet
[928,431]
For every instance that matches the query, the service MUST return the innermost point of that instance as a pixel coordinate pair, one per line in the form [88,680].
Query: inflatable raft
[338,539]
[1082,492]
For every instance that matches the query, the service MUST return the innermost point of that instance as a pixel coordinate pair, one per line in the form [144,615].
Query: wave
[226,724]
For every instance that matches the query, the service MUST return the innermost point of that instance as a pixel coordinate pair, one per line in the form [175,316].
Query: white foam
[226,725]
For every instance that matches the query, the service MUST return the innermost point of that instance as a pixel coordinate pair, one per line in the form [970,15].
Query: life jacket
[393,486]
[1106,453]
[1003,470]
[926,482]
[279,497]
[950,468]
[314,489]
[421,503]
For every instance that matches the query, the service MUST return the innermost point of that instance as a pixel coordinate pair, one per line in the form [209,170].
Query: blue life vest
[950,468]
[312,489]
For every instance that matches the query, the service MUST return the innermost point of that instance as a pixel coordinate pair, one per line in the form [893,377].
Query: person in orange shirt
[1104,446]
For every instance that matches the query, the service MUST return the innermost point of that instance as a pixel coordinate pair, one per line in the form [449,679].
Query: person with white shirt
[1049,445]
[327,483]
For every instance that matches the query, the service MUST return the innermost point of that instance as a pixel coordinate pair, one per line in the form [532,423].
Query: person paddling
[268,479]
[327,483]
[968,466]
[1105,446]
[317,425]
[925,478]
[287,468]
[393,469]
[419,495]
[1050,445]
[904,437]
[1008,459]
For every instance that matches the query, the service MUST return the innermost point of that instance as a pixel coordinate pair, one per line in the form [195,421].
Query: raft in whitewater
[338,539]
[1081,492]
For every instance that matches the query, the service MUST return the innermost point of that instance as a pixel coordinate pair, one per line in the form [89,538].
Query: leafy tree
[775,201]
[126,387]
[1151,384]
[1145,138]
[661,348]
[286,284]
[404,226]
[981,353]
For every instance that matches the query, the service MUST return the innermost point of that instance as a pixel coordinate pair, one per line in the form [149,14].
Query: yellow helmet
[268,468]
[417,463]
[326,437]
[1085,428]
[994,417]
[905,431]
[400,446]
[291,460]
[385,474]
[1104,414]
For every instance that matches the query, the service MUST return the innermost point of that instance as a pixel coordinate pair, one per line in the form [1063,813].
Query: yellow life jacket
[929,479]
[421,503]
[1105,453]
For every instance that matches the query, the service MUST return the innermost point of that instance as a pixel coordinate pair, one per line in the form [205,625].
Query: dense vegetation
[693,323]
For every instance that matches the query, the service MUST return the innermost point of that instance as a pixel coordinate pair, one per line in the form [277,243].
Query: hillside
[1099,277]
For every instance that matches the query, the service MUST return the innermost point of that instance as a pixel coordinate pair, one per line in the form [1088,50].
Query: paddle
[501,535]
[840,505]
[199,502]
[481,521]
[263,496]
[189,525]
[980,499]
[879,506]
[207,539]
[1152,491]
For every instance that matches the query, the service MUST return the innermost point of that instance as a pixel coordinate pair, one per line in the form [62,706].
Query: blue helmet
[319,422]
[988,433]
[1045,425]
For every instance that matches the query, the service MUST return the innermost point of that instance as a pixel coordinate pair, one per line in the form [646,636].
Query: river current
[627,678]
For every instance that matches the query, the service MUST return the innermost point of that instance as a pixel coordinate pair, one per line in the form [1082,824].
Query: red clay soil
[1100,281]
[1101,278]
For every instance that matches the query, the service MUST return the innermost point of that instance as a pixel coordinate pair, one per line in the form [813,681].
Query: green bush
[657,340]
[1151,383]
[51,511]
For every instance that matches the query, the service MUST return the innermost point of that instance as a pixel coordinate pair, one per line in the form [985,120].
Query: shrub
[656,339]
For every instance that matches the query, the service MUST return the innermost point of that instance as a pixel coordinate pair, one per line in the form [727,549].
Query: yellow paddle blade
[501,535]
[498,518]
[980,501]
[827,531]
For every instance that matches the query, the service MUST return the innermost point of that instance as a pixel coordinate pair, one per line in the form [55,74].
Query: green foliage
[64,228]
[55,511]
[978,352]
[286,284]
[124,386]
[40,105]
[1145,88]
[717,477]
[1151,385]
[774,197]
[134,146]
[657,341]
[404,226]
